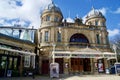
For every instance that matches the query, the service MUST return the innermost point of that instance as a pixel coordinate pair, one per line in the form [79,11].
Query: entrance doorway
[87,65]
[3,65]
[60,62]
[8,62]
[77,64]
[45,66]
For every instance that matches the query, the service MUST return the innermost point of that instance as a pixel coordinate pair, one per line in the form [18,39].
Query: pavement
[67,77]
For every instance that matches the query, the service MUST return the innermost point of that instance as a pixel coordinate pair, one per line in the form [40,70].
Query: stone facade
[57,35]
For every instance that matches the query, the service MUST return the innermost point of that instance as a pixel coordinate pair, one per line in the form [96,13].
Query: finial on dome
[77,16]
[93,8]
[52,1]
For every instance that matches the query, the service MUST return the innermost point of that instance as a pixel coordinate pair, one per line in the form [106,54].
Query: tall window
[58,36]
[27,61]
[96,23]
[40,37]
[107,41]
[103,24]
[56,19]
[10,62]
[98,39]
[46,36]
[47,18]
[15,63]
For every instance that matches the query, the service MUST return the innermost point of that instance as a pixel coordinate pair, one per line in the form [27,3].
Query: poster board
[9,73]
[117,68]
[54,70]
[100,66]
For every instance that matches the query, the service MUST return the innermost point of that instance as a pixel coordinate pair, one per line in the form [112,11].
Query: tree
[116,41]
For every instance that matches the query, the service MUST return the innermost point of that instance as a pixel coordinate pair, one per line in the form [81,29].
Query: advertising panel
[54,70]
[117,68]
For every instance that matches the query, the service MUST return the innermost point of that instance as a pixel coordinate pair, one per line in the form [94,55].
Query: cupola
[51,15]
[95,17]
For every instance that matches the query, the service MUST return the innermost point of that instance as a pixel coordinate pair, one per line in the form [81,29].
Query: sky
[27,12]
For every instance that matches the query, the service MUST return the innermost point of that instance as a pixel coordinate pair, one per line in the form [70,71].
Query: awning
[111,58]
[67,54]
[83,53]
[18,51]
[109,55]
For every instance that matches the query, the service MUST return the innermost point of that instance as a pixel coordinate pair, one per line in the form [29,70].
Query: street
[72,77]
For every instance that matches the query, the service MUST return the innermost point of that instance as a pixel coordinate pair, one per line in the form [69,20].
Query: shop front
[83,61]
[12,62]
[8,64]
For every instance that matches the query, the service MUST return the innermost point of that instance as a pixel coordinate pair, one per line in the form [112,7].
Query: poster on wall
[54,70]
[100,66]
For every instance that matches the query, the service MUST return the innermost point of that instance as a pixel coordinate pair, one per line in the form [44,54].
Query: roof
[52,8]
[15,39]
[94,13]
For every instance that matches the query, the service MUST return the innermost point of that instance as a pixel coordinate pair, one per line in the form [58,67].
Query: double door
[76,64]
[80,64]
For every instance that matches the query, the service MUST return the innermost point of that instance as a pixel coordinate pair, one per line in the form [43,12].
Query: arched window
[78,39]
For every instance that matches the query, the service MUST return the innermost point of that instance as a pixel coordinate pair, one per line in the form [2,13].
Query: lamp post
[53,53]
[114,48]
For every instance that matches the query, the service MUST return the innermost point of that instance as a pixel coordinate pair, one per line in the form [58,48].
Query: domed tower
[51,16]
[98,23]
[96,18]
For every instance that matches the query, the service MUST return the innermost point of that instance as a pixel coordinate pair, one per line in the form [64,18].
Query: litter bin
[107,71]
[112,70]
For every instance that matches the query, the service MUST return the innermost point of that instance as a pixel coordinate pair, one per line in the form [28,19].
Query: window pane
[56,19]
[59,37]
[15,63]
[10,62]
[46,35]
[27,61]
[40,37]
[3,62]
[98,40]
[48,18]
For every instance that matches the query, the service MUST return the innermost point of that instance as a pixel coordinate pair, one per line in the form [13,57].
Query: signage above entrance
[68,54]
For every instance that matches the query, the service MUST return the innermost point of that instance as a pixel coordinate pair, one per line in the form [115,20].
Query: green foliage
[15,73]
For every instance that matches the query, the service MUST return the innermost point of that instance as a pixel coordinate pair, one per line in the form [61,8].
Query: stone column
[40,64]
[21,66]
[105,64]
[92,65]
[66,66]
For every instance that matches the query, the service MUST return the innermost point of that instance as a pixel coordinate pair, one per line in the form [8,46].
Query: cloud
[117,11]
[113,32]
[70,20]
[103,10]
[27,11]
[119,24]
